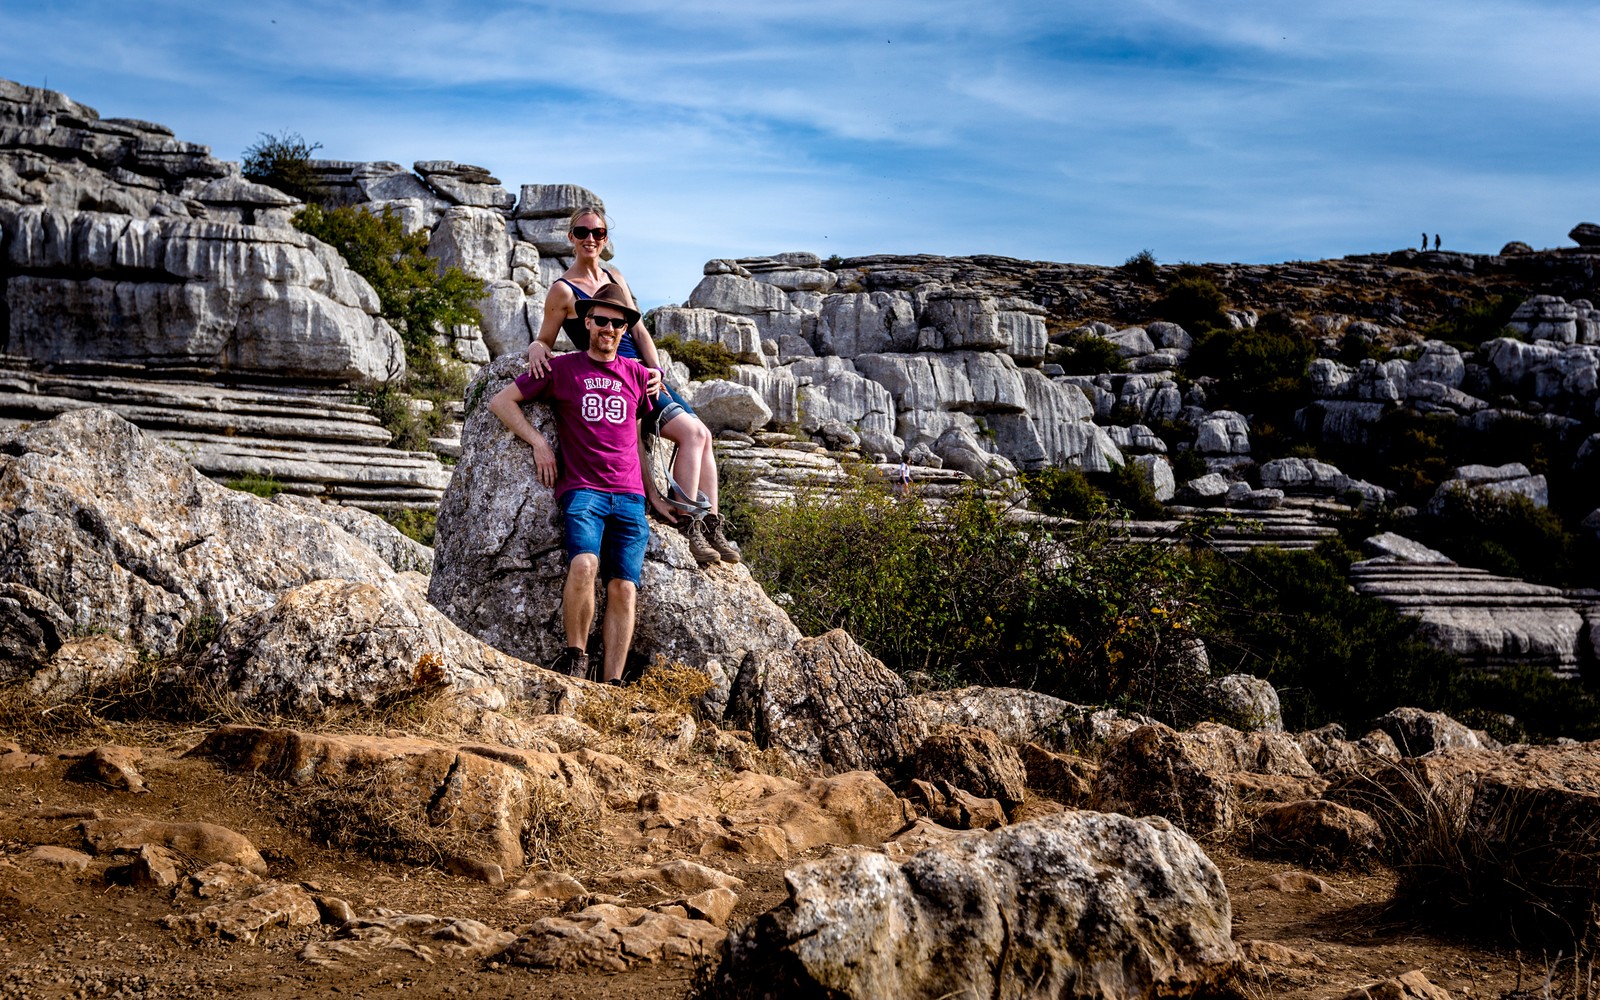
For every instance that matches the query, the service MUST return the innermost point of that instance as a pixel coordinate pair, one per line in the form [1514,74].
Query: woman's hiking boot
[573,662]
[699,546]
[720,541]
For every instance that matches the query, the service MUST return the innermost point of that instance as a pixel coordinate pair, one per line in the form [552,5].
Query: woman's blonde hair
[606,252]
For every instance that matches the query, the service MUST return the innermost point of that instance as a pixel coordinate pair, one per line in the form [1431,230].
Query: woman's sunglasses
[584,232]
[616,322]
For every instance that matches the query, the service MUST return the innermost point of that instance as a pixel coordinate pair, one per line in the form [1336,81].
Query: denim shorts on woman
[609,525]
[666,406]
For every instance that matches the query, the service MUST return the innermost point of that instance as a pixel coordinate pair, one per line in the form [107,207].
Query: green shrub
[414,523]
[1187,464]
[1131,491]
[1087,354]
[264,486]
[1142,267]
[704,360]
[1063,491]
[421,301]
[283,161]
[969,596]
[1476,321]
[1193,301]
[1503,534]
[1334,655]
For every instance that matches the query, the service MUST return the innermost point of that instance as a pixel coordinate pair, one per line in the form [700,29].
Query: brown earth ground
[74,935]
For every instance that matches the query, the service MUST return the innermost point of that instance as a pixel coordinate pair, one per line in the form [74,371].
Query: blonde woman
[691,499]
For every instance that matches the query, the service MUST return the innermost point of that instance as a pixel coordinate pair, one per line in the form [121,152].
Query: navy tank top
[579,334]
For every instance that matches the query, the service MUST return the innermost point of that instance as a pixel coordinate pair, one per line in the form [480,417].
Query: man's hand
[538,358]
[653,385]
[545,461]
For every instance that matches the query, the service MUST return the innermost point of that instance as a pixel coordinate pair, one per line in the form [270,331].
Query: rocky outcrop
[120,242]
[476,803]
[828,702]
[120,533]
[500,562]
[333,642]
[1076,905]
[1486,619]
[1524,834]
[314,443]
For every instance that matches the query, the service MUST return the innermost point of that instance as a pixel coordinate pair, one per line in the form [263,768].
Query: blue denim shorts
[666,406]
[609,525]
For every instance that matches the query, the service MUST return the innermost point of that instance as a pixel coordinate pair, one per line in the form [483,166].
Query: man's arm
[506,405]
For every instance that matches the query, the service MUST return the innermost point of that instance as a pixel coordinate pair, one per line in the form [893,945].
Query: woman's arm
[557,302]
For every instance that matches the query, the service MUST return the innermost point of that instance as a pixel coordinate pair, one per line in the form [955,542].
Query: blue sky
[1058,131]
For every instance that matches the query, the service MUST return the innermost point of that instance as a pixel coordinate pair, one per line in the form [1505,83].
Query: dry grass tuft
[1489,858]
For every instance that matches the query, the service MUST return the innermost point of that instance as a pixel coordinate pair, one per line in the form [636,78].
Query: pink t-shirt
[597,406]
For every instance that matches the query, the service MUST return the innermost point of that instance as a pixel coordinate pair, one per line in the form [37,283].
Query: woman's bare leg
[694,444]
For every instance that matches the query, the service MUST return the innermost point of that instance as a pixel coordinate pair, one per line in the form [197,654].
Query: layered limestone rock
[1487,620]
[313,443]
[959,365]
[118,241]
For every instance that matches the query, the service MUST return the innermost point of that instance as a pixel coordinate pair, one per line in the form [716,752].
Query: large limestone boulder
[465,184]
[975,760]
[1079,904]
[1417,731]
[1247,701]
[184,291]
[474,240]
[852,323]
[724,405]
[340,641]
[737,334]
[828,701]
[1031,420]
[500,562]
[1196,778]
[831,389]
[117,531]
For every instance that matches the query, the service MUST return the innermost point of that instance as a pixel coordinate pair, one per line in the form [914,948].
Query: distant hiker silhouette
[1435,241]
[1424,241]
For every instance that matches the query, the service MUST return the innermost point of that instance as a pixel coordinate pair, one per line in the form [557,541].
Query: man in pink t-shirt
[596,398]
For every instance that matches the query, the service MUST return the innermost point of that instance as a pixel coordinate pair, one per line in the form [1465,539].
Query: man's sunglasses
[616,322]
[584,232]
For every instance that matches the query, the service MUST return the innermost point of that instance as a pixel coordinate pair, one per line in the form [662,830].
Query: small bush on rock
[1087,354]
[1505,534]
[416,524]
[1142,267]
[1063,491]
[283,161]
[704,360]
[1475,322]
[1193,301]
[265,487]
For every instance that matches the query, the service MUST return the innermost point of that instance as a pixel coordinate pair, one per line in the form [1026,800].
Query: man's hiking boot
[719,541]
[573,662]
[699,547]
